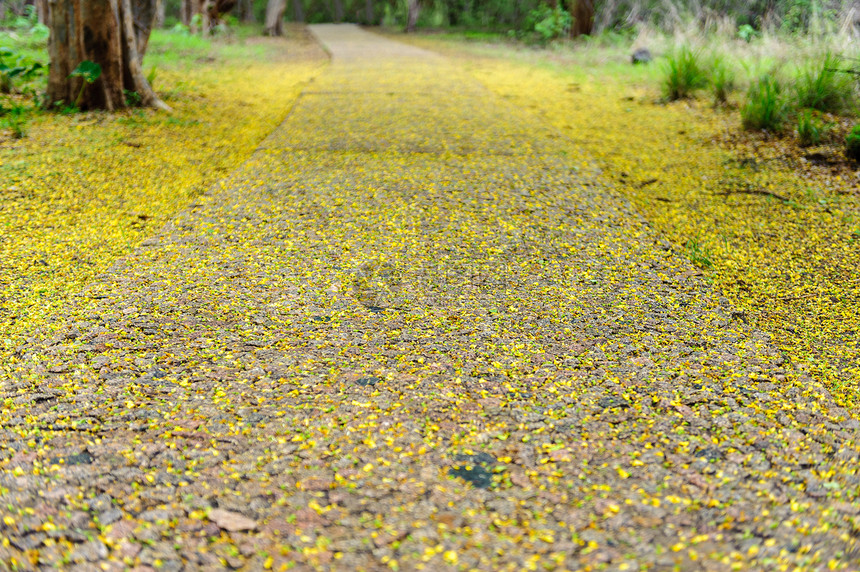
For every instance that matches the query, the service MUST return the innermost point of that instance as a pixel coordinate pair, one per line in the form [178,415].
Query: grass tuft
[822,87]
[684,74]
[810,129]
[722,81]
[765,106]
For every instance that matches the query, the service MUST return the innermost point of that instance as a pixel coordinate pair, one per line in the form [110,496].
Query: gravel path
[415,331]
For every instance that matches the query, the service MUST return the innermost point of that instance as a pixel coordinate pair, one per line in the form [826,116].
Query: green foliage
[747,33]
[550,23]
[180,29]
[15,119]
[16,67]
[810,129]
[765,106]
[852,144]
[698,253]
[683,74]
[150,77]
[88,71]
[821,86]
[132,98]
[722,81]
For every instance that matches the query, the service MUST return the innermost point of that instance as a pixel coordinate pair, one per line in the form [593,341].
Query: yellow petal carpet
[416,331]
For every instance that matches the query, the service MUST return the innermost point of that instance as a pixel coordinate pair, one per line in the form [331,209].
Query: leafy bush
[821,86]
[852,144]
[765,107]
[683,74]
[14,67]
[747,33]
[550,23]
[15,120]
[810,129]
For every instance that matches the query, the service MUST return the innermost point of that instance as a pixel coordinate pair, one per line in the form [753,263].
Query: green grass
[684,74]
[822,87]
[810,129]
[766,106]
[722,80]
[852,144]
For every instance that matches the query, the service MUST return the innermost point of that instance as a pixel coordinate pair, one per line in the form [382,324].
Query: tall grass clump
[810,129]
[684,74]
[722,81]
[765,106]
[823,87]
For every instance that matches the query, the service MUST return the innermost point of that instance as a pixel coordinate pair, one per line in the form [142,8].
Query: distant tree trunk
[42,11]
[104,32]
[159,14]
[187,11]
[412,16]
[298,11]
[205,16]
[246,11]
[582,12]
[275,17]
[338,10]
[369,16]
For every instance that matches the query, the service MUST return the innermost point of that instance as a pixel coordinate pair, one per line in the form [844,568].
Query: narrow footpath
[416,331]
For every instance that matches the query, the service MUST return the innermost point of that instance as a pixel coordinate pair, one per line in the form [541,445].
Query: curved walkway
[416,331]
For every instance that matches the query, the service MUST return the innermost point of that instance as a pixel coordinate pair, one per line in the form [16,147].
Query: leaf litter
[542,334]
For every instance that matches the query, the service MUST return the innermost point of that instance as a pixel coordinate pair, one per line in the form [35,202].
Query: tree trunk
[369,16]
[190,8]
[338,11]
[582,13]
[101,31]
[298,11]
[246,11]
[206,16]
[42,11]
[159,14]
[412,16]
[275,17]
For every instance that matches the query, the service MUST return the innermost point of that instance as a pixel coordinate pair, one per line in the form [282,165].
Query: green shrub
[821,86]
[16,67]
[747,33]
[852,144]
[765,106]
[722,81]
[683,74]
[550,23]
[810,129]
[15,119]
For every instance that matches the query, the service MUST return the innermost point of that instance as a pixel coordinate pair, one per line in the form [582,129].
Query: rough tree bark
[582,13]
[42,12]
[412,16]
[109,33]
[275,17]
[159,14]
[189,9]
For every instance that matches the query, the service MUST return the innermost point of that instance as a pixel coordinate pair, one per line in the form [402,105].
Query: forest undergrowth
[81,189]
[773,225]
